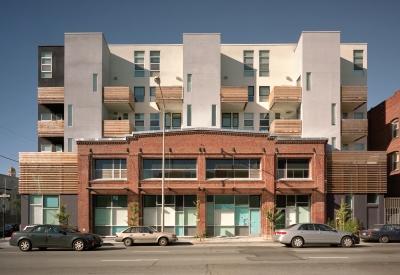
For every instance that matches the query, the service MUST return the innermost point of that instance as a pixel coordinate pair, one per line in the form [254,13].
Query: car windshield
[69,229]
[153,229]
[375,227]
[290,226]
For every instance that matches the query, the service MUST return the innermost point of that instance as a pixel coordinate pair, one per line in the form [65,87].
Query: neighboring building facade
[292,115]
[8,196]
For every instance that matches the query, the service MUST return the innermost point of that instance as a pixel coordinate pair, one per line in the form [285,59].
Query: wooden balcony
[51,128]
[285,98]
[172,97]
[48,173]
[353,97]
[286,127]
[119,98]
[117,128]
[356,172]
[51,95]
[354,129]
[234,98]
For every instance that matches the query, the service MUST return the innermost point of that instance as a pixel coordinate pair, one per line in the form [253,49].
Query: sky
[27,24]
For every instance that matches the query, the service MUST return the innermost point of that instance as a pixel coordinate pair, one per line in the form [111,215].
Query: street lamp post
[158,81]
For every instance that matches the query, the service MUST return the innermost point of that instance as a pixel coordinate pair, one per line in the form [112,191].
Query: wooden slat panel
[119,95]
[172,94]
[356,172]
[51,95]
[51,128]
[234,94]
[286,127]
[354,94]
[285,94]
[48,173]
[355,127]
[117,128]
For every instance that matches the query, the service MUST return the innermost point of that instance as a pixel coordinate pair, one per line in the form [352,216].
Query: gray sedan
[300,234]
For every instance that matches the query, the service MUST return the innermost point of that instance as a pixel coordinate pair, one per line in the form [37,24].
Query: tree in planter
[344,220]
[199,228]
[272,215]
[135,210]
[62,215]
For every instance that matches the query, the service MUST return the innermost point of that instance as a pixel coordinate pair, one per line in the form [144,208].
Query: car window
[40,229]
[375,227]
[323,227]
[388,227]
[306,227]
[396,226]
[128,230]
[290,226]
[53,229]
[145,230]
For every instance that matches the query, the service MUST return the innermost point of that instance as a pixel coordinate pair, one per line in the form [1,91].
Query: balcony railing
[234,98]
[353,97]
[286,127]
[285,98]
[119,98]
[353,129]
[172,97]
[351,172]
[51,95]
[48,173]
[51,128]
[117,128]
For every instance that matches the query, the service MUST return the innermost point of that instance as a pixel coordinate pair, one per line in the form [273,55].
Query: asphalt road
[205,259]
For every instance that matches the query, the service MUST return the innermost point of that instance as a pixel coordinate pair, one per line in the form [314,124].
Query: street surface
[205,259]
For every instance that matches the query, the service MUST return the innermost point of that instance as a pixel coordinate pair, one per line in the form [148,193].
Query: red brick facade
[380,120]
[201,145]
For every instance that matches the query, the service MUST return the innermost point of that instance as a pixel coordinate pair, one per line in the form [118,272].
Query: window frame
[248,63]
[261,96]
[139,119]
[286,171]
[233,168]
[117,171]
[185,167]
[250,93]
[263,63]
[155,119]
[395,128]
[246,120]
[156,65]
[264,117]
[46,73]
[152,94]
[139,65]
[308,81]
[395,160]
[139,98]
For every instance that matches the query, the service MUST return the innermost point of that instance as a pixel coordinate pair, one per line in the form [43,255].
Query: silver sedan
[300,234]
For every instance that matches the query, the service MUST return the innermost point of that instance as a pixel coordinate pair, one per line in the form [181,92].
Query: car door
[38,236]
[55,237]
[308,233]
[148,236]
[327,234]
[396,228]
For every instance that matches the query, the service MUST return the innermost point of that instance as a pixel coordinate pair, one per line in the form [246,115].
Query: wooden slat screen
[286,127]
[285,94]
[51,95]
[354,94]
[172,94]
[356,172]
[117,128]
[48,173]
[234,94]
[51,128]
[119,94]
[355,127]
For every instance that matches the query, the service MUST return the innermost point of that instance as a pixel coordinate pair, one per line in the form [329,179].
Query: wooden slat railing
[234,94]
[354,94]
[51,128]
[119,95]
[117,128]
[172,94]
[51,95]
[285,94]
[286,127]
[355,127]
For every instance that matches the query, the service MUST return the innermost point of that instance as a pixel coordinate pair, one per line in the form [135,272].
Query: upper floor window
[248,61]
[139,94]
[45,116]
[264,121]
[46,148]
[250,93]
[308,81]
[263,95]
[189,83]
[154,63]
[174,168]
[372,198]
[155,121]
[95,83]
[139,122]
[358,147]
[230,120]
[46,67]
[395,128]
[358,115]
[152,94]
[345,147]
[233,168]
[174,119]
[264,63]
[358,63]
[248,121]
[395,161]
[293,168]
[139,63]
[109,169]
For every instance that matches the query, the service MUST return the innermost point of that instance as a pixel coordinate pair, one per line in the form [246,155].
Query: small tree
[344,220]
[135,218]
[17,204]
[200,231]
[62,215]
[272,215]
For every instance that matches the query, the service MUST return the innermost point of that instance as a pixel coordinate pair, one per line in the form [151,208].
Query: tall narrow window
[235,121]
[69,144]
[155,121]
[167,121]
[395,161]
[139,122]
[263,95]
[345,147]
[333,113]
[264,121]
[248,61]
[395,128]
[139,63]
[213,115]
[189,83]
[176,121]
[264,63]
[333,143]
[358,63]
[308,81]
[152,94]
[230,121]
[69,115]
[250,92]
[95,84]
[155,63]
[139,94]
[248,121]
[46,67]
[189,115]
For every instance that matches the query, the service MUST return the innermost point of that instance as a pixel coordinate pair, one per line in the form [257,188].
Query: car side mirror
[63,232]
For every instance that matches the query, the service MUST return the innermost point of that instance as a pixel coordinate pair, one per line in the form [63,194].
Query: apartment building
[245,127]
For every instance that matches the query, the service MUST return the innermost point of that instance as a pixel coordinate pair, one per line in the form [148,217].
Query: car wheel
[25,245]
[384,239]
[163,242]
[78,245]
[297,242]
[128,242]
[347,242]
[42,248]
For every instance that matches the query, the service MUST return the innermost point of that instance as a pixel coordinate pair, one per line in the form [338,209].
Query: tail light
[12,233]
[116,235]
[173,236]
[368,233]
[280,233]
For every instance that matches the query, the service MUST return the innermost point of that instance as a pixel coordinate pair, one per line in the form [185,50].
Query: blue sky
[26,24]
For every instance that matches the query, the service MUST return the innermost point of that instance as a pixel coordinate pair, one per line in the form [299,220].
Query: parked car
[10,227]
[51,236]
[300,234]
[383,233]
[144,234]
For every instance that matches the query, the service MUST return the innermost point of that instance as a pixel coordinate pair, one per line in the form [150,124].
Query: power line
[17,134]
[8,158]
